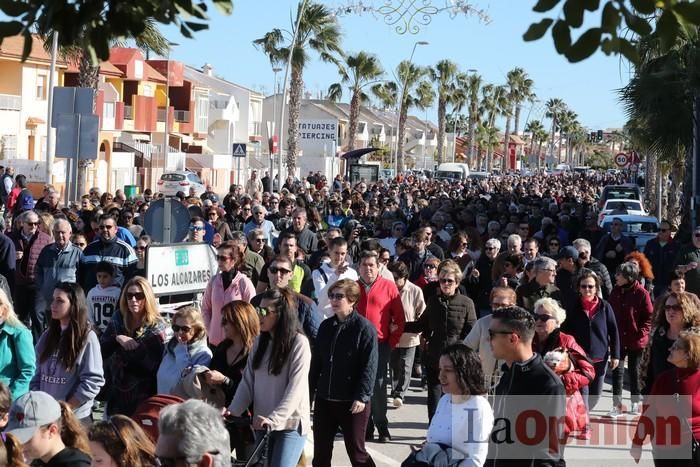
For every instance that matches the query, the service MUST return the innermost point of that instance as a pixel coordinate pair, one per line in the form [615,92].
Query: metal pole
[76,161]
[302,9]
[166,148]
[49,129]
[272,131]
[454,141]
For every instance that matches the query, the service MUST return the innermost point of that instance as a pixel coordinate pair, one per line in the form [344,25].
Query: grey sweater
[283,398]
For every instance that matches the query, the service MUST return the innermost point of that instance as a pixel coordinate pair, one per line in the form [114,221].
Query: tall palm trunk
[539,154]
[296,86]
[403,116]
[516,125]
[472,137]
[506,143]
[88,77]
[442,121]
[354,117]
[551,137]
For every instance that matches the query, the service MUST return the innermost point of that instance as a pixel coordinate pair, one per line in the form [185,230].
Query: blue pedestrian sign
[239,150]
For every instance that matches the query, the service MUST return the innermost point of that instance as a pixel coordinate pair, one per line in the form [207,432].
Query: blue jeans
[284,447]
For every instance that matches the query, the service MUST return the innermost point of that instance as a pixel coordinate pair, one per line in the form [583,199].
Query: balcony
[254,128]
[10,102]
[128,112]
[182,115]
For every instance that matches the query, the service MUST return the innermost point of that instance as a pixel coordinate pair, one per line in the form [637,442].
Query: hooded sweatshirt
[83,381]
[69,457]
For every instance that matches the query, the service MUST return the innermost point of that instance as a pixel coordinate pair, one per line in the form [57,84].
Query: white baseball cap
[31,411]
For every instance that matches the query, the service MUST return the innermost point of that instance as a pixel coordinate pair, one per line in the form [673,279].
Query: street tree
[447,78]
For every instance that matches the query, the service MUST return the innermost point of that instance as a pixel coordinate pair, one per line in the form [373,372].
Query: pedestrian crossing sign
[239,150]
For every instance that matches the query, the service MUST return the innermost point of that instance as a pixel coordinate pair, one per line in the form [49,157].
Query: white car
[620,207]
[181,180]
[640,228]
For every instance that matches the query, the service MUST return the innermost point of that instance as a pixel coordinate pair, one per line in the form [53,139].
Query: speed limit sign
[621,159]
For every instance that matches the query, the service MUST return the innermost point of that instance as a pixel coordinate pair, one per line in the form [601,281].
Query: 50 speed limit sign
[621,159]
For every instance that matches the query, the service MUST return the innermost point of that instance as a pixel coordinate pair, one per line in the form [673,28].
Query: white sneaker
[636,409]
[615,412]
[398,402]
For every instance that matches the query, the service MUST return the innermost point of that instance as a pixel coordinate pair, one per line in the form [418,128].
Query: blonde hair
[689,341]
[192,315]
[9,311]
[552,306]
[151,314]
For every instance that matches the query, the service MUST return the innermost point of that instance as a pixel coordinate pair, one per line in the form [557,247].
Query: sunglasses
[553,244]
[675,307]
[262,312]
[138,296]
[223,257]
[664,230]
[213,214]
[429,266]
[336,296]
[586,286]
[493,333]
[543,318]
[32,223]
[275,270]
[194,228]
[177,328]
[81,245]
[490,248]
[447,281]
[246,209]
[140,248]
[106,227]
[260,240]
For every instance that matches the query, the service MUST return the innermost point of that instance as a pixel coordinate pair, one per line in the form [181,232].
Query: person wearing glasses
[343,369]
[545,271]
[197,230]
[28,241]
[448,318]
[688,262]
[192,433]
[69,362]
[511,332]
[478,281]
[586,261]
[120,442]
[276,380]
[141,246]
[259,221]
[187,348]
[219,225]
[591,320]
[109,248]
[257,243]
[614,246]
[133,345]
[661,253]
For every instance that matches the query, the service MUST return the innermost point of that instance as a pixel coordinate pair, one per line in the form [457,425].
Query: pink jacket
[215,297]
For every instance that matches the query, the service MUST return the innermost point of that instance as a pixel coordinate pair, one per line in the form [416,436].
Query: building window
[41,81]
[202,113]
[8,145]
[108,110]
[148,90]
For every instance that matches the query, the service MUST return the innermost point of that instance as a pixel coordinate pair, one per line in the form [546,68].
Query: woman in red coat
[675,393]
[633,310]
[561,352]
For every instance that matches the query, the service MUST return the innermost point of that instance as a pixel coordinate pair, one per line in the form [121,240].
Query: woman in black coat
[343,370]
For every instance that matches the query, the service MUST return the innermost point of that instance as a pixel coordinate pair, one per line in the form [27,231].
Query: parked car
[180,180]
[452,171]
[626,191]
[640,228]
[622,206]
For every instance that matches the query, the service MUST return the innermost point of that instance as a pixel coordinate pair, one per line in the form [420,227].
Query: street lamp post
[398,116]
[275,70]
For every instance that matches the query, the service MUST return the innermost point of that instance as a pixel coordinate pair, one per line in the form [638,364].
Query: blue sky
[493,49]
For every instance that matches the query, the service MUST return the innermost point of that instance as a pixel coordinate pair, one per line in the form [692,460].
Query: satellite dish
[176,217]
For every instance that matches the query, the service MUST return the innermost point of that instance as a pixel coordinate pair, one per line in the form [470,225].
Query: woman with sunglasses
[227,285]
[133,344]
[68,354]
[575,369]
[141,246]
[220,226]
[591,321]
[553,246]
[120,442]
[678,312]
[188,347]
[448,318]
[276,380]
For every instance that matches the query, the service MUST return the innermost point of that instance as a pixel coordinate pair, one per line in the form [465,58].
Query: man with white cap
[36,420]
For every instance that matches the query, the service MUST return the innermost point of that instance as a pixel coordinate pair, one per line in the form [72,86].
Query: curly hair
[467,367]
[645,269]
[124,440]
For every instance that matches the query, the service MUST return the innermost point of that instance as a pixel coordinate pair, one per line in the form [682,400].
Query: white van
[452,171]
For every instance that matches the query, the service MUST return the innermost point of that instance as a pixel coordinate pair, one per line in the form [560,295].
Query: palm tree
[554,107]
[488,140]
[418,92]
[450,90]
[567,122]
[358,71]
[473,90]
[494,103]
[318,32]
[535,128]
[519,89]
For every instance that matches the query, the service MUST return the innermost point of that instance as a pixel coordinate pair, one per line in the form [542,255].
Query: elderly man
[545,270]
[306,239]
[253,263]
[107,247]
[192,433]
[258,221]
[585,260]
[29,241]
[58,262]
[478,280]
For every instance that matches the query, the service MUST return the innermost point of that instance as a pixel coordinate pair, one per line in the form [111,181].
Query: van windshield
[447,174]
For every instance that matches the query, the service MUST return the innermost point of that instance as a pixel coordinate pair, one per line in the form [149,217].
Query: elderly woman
[447,319]
[343,392]
[187,348]
[575,369]
[479,281]
[678,313]
[674,395]
[632,306]
[592,322]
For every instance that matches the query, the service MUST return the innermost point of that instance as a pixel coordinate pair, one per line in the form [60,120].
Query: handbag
[576,413]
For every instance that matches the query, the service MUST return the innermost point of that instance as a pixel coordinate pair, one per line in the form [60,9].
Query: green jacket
[17,358]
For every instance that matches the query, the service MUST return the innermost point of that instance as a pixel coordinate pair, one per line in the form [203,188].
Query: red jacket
[582,371]
[633,310]
[25,271]
[382,307]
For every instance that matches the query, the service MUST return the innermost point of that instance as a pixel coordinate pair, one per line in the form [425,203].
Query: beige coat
[413,306]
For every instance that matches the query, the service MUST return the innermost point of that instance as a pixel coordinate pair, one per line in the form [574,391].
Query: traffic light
[600,135]
[592,137]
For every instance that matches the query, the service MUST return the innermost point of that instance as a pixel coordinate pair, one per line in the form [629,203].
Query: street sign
[239,150]
[167,231]
[180,268]
[634,157]
[69,100]
[621,159]
[76,135]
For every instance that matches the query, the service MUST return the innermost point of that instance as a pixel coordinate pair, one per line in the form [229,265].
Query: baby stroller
[259,456]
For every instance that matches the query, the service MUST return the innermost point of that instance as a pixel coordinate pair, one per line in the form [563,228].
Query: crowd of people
[328,301]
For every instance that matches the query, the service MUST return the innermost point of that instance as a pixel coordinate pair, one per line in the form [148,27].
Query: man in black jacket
[528,386]
[541,286]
